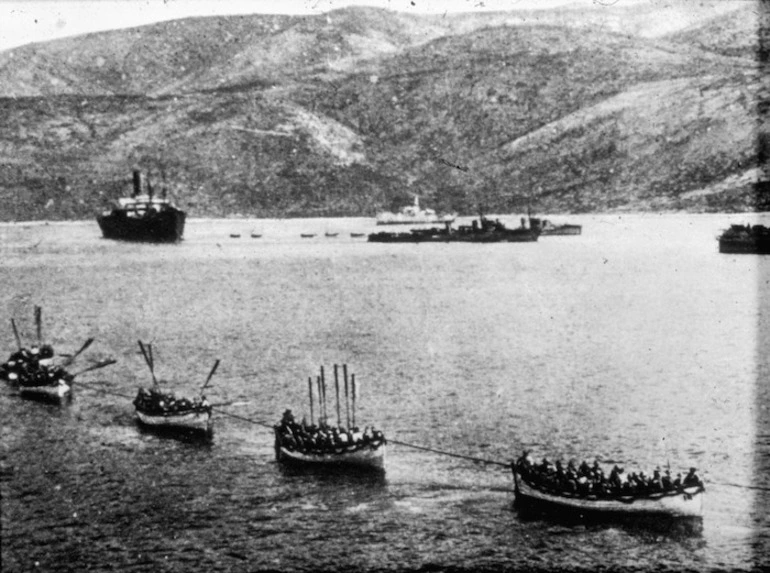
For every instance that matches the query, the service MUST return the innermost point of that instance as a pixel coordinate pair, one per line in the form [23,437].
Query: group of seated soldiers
[155,402]
[30,367]
[590,480]
[324,438]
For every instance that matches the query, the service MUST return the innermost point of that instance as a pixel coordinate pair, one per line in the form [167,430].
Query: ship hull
[512,236]
[687,503]
[50,393]
[190,421]
[166,226]
[745,247]
[367,458]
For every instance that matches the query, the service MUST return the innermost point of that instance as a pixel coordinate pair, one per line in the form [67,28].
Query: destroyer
[143,217]
[482,230]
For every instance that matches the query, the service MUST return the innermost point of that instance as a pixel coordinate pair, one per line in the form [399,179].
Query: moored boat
[745,239]
[369,456]
[414,215]
[592,497]
[143,217]
[53,385]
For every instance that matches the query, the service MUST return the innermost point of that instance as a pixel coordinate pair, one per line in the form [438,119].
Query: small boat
[357,235]
[414,215]
[331,235]
[256,235]
[548,228]
[307,235]
[745,239]
[533,491]
[235,235]
[326,445]
[161,410]
[143,217]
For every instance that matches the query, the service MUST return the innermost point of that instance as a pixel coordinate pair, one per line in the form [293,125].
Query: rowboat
[162,410]
[330,445]
[370,457]
[196,420]
[686,502]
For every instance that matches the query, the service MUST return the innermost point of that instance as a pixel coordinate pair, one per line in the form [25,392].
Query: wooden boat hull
[193,421]
[367,458]
[744,246]
[166,226]
[53,393]
[683,504]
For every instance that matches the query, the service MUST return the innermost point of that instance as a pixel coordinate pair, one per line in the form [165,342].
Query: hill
[352,111]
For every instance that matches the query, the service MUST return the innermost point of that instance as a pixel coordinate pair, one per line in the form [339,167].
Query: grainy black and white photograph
[384,285]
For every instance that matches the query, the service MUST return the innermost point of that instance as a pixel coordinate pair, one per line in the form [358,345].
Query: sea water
[635,343]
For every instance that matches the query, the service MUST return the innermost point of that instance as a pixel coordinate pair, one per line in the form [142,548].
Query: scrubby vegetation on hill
[352,112]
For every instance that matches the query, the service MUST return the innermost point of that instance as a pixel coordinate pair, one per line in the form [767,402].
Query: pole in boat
[211,374]
[323,386]
[347,395]
[337,392]
[353,385]
[149,363]
[71,359]
[96,366]
[310,394]
[320,401]
[39,325]
[16,334]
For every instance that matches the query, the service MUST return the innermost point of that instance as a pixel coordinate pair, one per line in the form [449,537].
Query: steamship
[143,217]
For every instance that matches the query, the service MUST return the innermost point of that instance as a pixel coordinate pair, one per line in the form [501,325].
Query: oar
[39,325]
[310,394]
[149,363]
[353,385]
[96,366]
[16,334]
[72,357]
[337,392]
[211,374]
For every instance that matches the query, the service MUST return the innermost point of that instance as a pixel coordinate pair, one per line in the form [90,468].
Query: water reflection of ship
[482,230]
[746,239]
[414,215]
[143,217]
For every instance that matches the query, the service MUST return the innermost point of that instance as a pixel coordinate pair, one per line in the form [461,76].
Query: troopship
[143,217]
[414,215]
[745,239]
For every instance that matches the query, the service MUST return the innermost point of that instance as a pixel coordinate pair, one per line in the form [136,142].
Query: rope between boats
[451,454]
[88,386]
[743,486]
[245,419]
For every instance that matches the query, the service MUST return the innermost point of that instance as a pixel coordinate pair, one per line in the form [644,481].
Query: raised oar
[211,374]
[149,363]
[16,334]
[337,392]
[39,325]
[96,366]
[353,385]
[347,397]
[71,359]
[310,393]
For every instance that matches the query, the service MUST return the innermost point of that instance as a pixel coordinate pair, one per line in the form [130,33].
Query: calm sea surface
[636,342]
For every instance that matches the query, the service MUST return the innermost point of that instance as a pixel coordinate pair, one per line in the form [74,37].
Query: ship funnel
[137,183]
